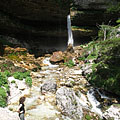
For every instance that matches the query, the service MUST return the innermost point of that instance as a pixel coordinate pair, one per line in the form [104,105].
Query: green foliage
[106,68]
[81,58]
[114,8]
[107,32]
[20,75]
[14,57]
[7,88]
[118,21]
[28,81]
[3,97]
[7,73]
[26,74]
[13,81]
[3,79]
[70,63]
[88,117]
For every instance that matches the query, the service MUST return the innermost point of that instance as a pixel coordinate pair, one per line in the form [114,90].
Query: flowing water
[41,106]
[70,35]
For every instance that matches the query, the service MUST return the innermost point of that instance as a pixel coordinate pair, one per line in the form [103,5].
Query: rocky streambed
[59,93]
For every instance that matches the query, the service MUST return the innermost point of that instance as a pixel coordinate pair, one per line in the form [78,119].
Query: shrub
[107,32]
[3,97]
[13,81]
[70,63]
[3,79]
[18,75]
[7,73]
[26,74]
[28,81]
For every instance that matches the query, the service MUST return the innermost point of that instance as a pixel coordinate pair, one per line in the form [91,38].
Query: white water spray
[94,102]
[70,35]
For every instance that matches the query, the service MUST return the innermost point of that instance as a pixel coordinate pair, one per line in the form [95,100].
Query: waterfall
[70,35]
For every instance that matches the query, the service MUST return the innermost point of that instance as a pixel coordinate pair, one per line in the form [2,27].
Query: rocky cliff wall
[34,22]
[92,13]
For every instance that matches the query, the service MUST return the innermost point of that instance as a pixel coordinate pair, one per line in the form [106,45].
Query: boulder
[5,114]
[49,87]
[69,103]
[57,57]
[112,113]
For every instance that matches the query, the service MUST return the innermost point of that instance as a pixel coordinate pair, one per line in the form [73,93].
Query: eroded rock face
[68,103]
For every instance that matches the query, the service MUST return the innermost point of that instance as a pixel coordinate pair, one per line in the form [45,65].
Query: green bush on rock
[106,67]
[25,75]
[3,97]
[70,63]
[28,81]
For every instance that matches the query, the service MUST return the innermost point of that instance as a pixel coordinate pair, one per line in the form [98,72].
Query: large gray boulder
[69,103]
[48,86]
[5,114]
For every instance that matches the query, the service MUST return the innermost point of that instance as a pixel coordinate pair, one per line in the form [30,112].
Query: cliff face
[34,21]
[38,24]
[35,10]
[93,4]
[92,12]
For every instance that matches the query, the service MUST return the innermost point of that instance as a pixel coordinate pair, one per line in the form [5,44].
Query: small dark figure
[21,108]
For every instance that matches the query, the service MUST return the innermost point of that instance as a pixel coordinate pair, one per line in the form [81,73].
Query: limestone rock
[49,87]
[87,69]
[69,104]
[112,113]
[5,114]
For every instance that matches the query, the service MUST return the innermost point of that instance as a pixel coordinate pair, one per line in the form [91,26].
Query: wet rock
[56,57]
[113,112]
[69,104]
[70,48]
[49,87]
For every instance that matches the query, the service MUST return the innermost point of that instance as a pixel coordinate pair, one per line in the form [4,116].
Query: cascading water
[70,35]
[94,102]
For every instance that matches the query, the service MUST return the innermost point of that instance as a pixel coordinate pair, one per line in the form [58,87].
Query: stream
[41,105]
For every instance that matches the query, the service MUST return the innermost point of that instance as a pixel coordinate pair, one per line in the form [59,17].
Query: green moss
[14,57]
